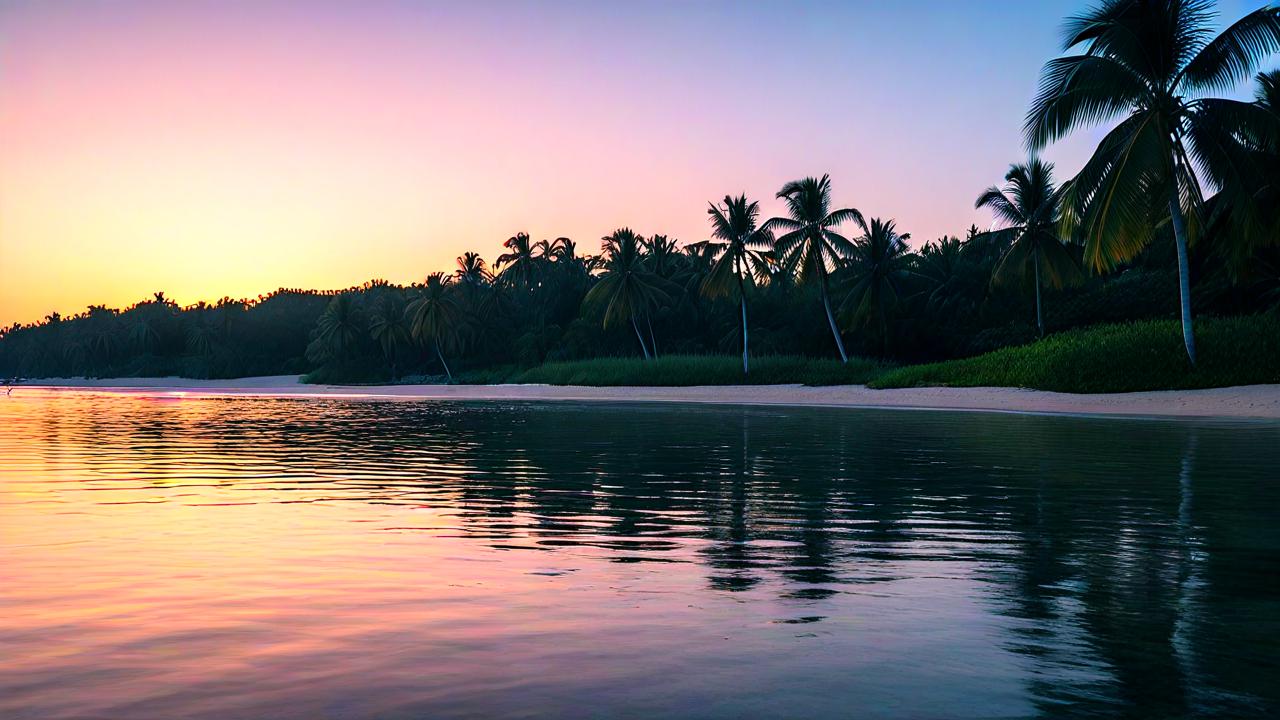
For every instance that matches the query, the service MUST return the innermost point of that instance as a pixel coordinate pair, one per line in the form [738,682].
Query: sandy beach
[1254,401]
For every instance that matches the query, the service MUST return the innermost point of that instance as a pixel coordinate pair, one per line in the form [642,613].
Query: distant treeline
[1132,236]
[946,307]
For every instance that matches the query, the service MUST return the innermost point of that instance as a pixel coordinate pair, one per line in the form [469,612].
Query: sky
[209,149]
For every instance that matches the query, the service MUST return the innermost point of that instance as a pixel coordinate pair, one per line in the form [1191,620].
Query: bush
[684,370]
[1130,357]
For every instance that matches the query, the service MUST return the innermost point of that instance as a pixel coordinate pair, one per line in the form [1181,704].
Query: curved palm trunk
[653,342]
[742,302]
[440,355]
[643,348]
[1184,273]
[1035,256]
[831,320]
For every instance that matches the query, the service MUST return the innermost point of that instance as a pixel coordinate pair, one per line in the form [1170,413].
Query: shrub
[1145,355]
[684,370]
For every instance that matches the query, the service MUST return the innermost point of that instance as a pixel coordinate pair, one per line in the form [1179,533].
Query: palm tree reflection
[1125,560]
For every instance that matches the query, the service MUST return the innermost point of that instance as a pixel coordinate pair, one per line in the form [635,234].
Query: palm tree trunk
[653,342]
[442,362]
[742,301]
[1184,273]
[831,319]
[640,337]
[1035,256]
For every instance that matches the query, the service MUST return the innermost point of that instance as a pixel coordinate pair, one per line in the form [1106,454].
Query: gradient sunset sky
[206,149]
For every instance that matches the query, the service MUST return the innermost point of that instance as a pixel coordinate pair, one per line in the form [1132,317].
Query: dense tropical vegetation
[1176,215]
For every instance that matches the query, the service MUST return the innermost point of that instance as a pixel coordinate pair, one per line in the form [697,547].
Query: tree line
[1176,212]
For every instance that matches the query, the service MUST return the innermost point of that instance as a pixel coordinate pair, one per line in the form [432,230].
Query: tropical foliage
[1030,206]
[1156,64]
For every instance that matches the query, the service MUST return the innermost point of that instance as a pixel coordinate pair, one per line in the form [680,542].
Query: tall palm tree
[809,241]
[663,256]
[1149,60]
[879,264]
[734,223]
[1028,207]
[629,288]
[389,327]
[433,317]
[520,264]
[338,329]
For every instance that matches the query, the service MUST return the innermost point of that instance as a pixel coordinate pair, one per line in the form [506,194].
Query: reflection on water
[312,558]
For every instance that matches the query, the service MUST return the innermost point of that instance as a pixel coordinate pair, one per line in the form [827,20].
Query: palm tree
[433,316]
[879,263]
[1146,59]
[1028,206]
[472,269]
[956,276]
[200,338]
[338,329]
[340,324]
[808,241]
[735,225]
[1248,206]
[662,255]
[522,261]
[562,249]
[389,327]
[628,288]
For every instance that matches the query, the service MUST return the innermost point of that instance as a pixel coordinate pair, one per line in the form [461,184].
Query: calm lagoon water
[315,558]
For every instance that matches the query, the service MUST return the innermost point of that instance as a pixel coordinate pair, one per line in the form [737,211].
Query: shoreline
[1254,402]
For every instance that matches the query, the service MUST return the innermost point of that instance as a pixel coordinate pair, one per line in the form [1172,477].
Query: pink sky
[210,148]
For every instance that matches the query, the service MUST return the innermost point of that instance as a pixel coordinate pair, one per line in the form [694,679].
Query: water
[222,558]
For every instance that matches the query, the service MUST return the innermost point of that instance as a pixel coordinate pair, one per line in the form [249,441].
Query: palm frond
[1077,91]
[1236,53]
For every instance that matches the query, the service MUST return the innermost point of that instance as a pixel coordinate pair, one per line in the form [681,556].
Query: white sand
[1252,401]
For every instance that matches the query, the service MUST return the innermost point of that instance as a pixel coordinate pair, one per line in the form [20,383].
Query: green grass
[1117,358]
[680,370]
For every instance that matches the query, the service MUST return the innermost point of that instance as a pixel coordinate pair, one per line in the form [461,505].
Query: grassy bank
[678,370]
[1117,358]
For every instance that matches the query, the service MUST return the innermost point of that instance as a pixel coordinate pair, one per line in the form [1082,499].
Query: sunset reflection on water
[319,558]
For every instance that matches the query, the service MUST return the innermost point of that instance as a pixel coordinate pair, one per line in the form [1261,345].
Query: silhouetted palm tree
[735,225]
[629,289]
[472,269]
[562,249]
[661,253]
[956,276]
[434,316]
[389,327]
[809,242]
[338,329]
[1028,207]
[200,338]
[1145,59]
[520,264]
[1247,205]
[879,263]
